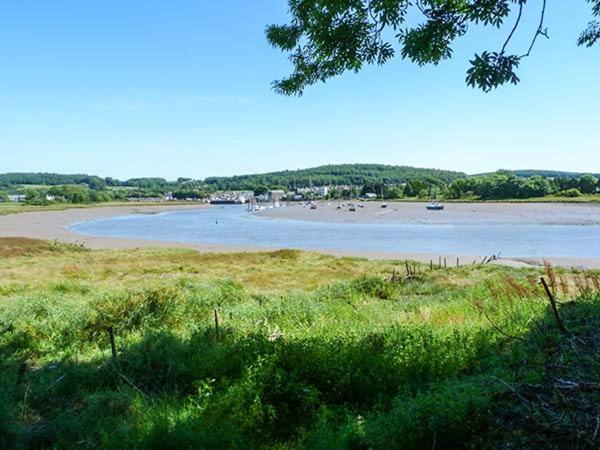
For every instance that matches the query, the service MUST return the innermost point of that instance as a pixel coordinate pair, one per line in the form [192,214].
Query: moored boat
[435,206]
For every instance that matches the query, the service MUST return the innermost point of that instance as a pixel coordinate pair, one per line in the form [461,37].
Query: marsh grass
[313,352]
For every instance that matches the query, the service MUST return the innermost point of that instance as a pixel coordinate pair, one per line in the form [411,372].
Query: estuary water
[233,225]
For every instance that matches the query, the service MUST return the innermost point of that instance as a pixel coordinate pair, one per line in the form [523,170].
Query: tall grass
[353,361]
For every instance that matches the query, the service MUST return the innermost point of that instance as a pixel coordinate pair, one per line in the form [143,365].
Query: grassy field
[15,208]
[290,350]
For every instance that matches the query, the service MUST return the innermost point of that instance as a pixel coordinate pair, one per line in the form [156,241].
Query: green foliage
[591,35]
[50,179]
[346,181]
[336,175]
[570,193]
[326,38]
[507,185]
[360,363]
[375,287]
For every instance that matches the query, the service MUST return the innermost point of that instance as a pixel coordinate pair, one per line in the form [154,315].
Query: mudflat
[53,225]
[453,213]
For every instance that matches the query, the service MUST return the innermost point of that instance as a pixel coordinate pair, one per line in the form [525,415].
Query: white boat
[383,204]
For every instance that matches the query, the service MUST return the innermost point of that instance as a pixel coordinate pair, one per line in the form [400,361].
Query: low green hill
[334,174]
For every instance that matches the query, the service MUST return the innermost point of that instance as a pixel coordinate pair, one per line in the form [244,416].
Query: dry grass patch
[16,246]
[261,271]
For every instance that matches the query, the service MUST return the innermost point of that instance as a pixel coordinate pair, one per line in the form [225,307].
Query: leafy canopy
[326,38]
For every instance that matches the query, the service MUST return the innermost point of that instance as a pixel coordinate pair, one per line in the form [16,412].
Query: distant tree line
[344,181]
[334,175]
[507,185]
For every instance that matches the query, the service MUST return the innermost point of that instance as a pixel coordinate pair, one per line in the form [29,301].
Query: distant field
[15,208]
[42,186]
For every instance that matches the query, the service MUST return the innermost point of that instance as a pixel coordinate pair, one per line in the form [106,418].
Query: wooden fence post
[113,347]
[216,324]
[561,325]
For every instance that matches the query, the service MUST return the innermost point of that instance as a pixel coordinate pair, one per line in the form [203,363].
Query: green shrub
[373,286]
[570,193]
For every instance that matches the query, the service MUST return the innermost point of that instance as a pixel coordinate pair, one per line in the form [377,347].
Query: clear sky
[182,88]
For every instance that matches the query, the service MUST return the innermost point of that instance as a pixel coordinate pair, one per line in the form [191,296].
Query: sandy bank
[454,213]
[52,225]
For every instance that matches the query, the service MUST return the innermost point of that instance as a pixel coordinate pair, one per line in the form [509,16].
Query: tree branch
[539,32]
[513,29]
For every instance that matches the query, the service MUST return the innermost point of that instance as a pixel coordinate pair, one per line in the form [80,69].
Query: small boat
[383,204]
[435,206]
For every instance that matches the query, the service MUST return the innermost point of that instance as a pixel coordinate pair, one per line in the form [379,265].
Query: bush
[570,193]
[373,286]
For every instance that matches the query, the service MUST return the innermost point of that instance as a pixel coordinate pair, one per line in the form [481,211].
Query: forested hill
[57,179]
[527,173]
[47,179]
[338,174]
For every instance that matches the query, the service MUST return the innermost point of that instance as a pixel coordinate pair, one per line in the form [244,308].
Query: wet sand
[52,225]
[453,214]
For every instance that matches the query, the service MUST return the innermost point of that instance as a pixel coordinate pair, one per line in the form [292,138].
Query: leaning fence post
[216,324]
[561,325]
[113,347]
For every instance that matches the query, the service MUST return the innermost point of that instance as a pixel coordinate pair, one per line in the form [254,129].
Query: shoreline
[52,225]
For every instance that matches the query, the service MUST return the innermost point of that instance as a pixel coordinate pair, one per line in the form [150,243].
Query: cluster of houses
[275,196]
[231,197]
[272,196]
[167,197]
[17,198]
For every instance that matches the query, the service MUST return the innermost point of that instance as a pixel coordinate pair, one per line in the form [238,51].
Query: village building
[17,198]
[231,197]
[276,196]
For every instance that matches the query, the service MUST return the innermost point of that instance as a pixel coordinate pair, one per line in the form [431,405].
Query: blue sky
[182,88]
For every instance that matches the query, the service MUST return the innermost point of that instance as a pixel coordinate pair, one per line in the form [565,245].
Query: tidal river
[233,225]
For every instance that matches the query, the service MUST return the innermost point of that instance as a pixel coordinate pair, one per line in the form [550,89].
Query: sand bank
[453,214]
[52,225]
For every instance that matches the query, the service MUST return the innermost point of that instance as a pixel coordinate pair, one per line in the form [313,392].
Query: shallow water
[232,225]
